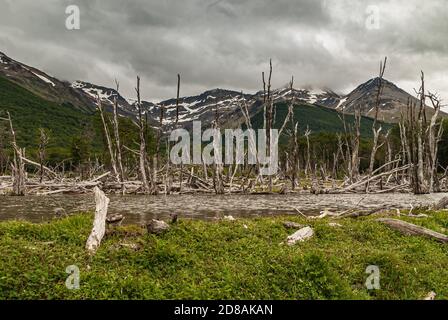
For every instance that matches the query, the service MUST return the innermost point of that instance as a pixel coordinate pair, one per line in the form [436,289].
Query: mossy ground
[242,259]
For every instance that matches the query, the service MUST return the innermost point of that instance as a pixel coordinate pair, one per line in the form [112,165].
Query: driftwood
[414,230]
[292,225]
[300,235]
[99,222]
[115,219]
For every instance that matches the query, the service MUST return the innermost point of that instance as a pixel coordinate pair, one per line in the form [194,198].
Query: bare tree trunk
[434,139]
[269,107]
[308,152]
[43,142]
[420,143]
[108,141]
[177,100]
[18,166]
[218,167]
[355,147]
[142,153]
[376,131]
[118,143]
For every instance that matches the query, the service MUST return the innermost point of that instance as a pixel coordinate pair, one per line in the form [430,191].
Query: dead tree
[294,161]
[4,159]
[356,139]
[434,137]
[375,129]
[423,187]
[308,152]
[290,108]
[389,150]
[251,140]
[420,141]
[217,152]
[18,165]
[43,143]
[420,183]
[348,141]
[177,100]
[108,140]
[118,142]
[142,152]
[268,104]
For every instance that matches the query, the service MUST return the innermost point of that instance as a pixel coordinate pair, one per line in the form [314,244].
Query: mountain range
[82,96]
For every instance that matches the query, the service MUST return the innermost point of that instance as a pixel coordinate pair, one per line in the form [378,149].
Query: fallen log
[99,177]
[369,179]
[38,165]
[292,225]
[99,222]
[115,219]
[413,230]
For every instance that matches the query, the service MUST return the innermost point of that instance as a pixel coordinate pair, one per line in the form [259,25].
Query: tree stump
[99,222]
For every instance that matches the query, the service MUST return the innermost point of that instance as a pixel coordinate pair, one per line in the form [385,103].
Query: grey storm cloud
[228,43]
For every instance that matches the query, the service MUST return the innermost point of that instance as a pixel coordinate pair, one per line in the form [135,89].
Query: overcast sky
[228,43]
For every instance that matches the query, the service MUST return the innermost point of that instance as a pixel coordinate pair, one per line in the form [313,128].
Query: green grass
[30,112]
[222,260]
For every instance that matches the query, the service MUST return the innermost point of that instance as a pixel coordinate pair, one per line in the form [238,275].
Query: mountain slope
[316,118]
[43,85]
[392,101]
[30,112]
[204,107]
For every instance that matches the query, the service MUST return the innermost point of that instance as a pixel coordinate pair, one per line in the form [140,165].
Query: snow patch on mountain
[106,95]
[44,79]
[341,103]
[77,85]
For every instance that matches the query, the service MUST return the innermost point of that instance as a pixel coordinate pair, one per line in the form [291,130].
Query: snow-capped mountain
[325,98]
[107,96]
[392,100]
[205,107]
[42,84]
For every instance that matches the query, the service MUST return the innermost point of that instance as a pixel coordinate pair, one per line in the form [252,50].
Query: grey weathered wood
[292,225]
[99,222]
[300,235]
[115,218]
[413,230]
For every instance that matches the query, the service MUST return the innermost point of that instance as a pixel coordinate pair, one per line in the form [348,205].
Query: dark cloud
[227,43]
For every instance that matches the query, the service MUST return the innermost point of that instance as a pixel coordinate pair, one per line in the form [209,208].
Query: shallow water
[141,209]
